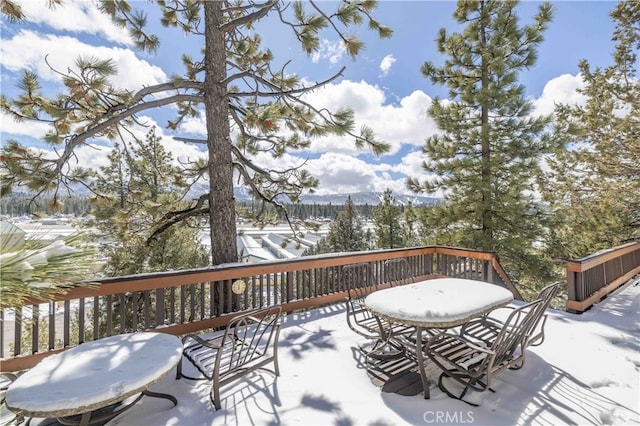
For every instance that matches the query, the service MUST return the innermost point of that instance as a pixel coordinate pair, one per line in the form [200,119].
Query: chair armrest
[200,341]
[476,346]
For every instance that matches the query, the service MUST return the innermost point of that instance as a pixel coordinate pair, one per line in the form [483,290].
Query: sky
[586,372]
[383,85]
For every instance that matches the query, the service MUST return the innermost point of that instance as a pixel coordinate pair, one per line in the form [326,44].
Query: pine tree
[410,226]
[235,83]
[594,187]
[346,233]
[386,219]
[132,192]
[486,156]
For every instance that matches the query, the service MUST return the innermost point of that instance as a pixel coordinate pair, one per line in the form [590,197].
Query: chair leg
[443,388]
[179,369]
[276,366]
[215,396]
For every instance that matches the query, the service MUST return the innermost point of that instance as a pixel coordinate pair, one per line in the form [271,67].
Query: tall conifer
[594,187]
[386,218]
[487,154]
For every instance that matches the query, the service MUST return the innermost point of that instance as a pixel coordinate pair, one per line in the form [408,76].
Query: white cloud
[562,89]
[180,151]
[195,125]
[336,172]
[332,51]
[31,50]
[78,16]
[338,168]
[406,123]
[92,156]
[411,164]
[385,65]
[340,173]
[22,128]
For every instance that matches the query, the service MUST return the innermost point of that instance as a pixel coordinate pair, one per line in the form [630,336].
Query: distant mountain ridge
[359,198]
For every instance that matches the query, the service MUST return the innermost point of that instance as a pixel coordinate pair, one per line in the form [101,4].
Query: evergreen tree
[386,219]
[140,183]
[594,187]
[346,233]
[486,156]
[410,226]
[235,84]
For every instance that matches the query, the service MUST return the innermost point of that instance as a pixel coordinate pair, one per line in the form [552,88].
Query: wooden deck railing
[593,277]
[194,300]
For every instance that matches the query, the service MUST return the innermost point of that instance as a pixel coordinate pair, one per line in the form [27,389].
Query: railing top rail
[232,271]
[600,257]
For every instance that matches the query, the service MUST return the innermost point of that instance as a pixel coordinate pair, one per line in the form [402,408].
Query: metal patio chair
[378,333]
[487,327]
[473,363]
[249,342]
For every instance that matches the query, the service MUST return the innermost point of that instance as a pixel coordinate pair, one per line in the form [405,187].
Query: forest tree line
[80,206]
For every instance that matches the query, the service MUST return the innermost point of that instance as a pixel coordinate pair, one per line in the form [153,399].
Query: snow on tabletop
[96,371]
[439,300]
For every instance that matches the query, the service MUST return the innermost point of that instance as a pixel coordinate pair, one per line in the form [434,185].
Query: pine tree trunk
[487,202]
[222,219]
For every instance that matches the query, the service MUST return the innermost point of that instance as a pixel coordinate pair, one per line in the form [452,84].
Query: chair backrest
[250,336]
[358,279]
[397,271]
[536,334]
[547,294]
[358,276]
[515,331]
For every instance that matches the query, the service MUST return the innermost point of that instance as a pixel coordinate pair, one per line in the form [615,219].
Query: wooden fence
[190,301]
[593,277]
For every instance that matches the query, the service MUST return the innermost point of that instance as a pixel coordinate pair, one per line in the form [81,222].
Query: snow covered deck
[586,372]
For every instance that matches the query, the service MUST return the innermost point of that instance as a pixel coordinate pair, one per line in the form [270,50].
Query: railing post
[17,332]
[290,295]
[160,307]
[66,334]
[571,288]
[52,325]
[2,323]
[491,273]
[35,322]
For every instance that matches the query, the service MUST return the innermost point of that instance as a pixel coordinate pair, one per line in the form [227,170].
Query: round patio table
[87,383]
